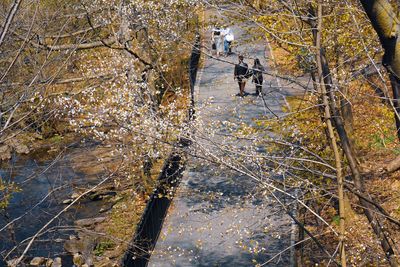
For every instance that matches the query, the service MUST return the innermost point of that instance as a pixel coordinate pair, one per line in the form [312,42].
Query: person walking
[219,42]
[258,79]
[216,34]
[241,73]
[229,37]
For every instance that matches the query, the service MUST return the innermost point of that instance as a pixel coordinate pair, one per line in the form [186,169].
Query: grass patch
[103,246]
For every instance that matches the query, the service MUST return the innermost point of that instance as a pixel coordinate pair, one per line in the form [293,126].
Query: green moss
[103,246]
[336,219]
[56,138]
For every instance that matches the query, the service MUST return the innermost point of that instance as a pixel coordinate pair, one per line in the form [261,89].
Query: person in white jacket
[218,40]
[228,39]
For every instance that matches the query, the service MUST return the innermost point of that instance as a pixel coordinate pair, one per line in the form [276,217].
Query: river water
[44,185]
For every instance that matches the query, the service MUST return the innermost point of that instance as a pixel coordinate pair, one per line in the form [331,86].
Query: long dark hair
[257,63]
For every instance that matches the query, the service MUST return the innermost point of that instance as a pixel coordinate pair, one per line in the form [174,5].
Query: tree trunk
[351,156]
[353,164]
[386,24]
[346,111]
[395,82]
[332,138]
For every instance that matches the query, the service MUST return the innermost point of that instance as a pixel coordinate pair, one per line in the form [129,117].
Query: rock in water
[21,149]
[78,259]
[12,263]
[85,244]
[57,262]
[36,261]
[73,246]
[49,263]
[5,152]
[67,201]
[89,221]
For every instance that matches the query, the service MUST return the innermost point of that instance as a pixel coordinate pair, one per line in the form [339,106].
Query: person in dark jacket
[241,74]
[258,70]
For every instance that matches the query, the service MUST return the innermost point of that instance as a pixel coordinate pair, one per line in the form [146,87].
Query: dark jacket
[258,74]
[241,71]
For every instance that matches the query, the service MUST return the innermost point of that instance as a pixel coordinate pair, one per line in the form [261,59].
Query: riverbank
[98,227]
